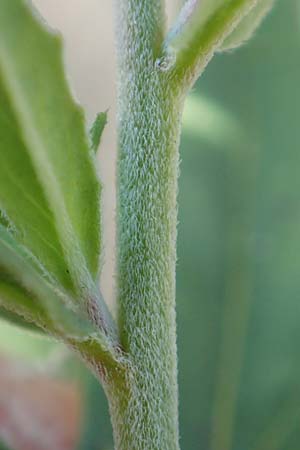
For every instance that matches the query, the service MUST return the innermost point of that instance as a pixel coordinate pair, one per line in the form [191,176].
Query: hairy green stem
[144,409]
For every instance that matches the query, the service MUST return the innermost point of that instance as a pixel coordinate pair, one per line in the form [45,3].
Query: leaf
[248,25]
[18,321]
[18,307]
[20,271]
[205,10]
[48,183]
[195,14]
[97,130]
[46,305]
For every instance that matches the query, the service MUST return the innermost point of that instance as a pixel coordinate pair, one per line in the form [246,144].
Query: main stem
[144,407]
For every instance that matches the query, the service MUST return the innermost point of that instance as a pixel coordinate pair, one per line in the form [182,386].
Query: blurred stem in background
[238,198]
[281,426]
[256,372]
[209,121]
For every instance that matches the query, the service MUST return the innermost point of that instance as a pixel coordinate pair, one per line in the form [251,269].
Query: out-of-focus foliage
[239,260]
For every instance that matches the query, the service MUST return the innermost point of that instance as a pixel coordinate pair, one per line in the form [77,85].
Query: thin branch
[197,34]
[188,10]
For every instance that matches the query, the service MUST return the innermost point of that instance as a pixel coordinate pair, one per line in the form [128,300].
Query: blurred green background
[238,274]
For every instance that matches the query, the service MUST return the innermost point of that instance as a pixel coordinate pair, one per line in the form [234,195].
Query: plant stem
[144,409]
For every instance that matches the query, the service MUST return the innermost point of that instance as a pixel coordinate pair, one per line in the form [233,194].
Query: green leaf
[248,25]
[43,303]
[28,292]
[49,187]
[97,130]
[204,10]
[17,305]
[18,321]
[13,294]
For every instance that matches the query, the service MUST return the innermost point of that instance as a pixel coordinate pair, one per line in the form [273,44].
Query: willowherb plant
[50,222]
